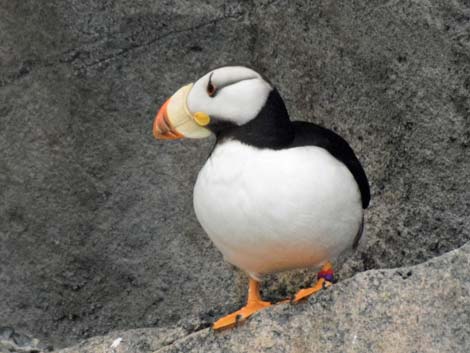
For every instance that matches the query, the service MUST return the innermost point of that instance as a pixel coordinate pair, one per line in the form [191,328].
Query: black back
[273,129]
[308,134]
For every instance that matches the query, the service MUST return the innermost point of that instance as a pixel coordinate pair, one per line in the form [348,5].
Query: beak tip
[162,127]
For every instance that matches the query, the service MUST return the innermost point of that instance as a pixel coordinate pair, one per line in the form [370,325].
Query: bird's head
[227,100]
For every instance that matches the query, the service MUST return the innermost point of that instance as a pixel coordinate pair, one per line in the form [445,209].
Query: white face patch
[240,94]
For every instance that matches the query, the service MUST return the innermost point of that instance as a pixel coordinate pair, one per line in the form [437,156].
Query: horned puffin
[274,194]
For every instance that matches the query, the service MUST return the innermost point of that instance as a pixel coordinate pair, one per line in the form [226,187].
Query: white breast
[269,210]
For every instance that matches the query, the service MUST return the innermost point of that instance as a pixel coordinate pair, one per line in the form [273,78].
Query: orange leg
[254,303]
[322,282]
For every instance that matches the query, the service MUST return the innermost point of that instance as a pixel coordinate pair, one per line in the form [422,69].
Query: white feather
[273,210]
[241,94]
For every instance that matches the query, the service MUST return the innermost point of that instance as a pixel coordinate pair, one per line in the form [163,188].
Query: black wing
[308,134]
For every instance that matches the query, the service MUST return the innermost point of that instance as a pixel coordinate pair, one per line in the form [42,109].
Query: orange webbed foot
[325,279]
[307,292]
[254,303]
[238,316]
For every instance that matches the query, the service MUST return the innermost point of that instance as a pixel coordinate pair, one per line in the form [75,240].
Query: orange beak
[162,127]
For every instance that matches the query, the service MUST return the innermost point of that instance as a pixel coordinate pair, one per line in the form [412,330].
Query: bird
[274,194]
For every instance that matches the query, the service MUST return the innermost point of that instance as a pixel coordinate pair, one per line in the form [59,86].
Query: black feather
[272,128]
[308,134]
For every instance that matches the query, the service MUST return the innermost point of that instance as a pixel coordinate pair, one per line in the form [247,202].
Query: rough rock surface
[12,341]
[425,308]
[97,229]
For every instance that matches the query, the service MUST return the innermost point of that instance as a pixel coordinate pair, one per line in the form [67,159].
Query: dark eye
[211,89]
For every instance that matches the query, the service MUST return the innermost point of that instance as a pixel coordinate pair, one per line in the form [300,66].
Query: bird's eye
[211,89]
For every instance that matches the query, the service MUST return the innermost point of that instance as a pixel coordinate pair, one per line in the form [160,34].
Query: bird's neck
[271,128]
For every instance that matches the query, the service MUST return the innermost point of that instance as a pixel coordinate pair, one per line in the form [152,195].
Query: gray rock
[96,220]
[425,308]
[12,341]
[135,341]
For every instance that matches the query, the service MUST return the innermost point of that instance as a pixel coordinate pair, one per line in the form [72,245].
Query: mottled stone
[131,341]
[16,342]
